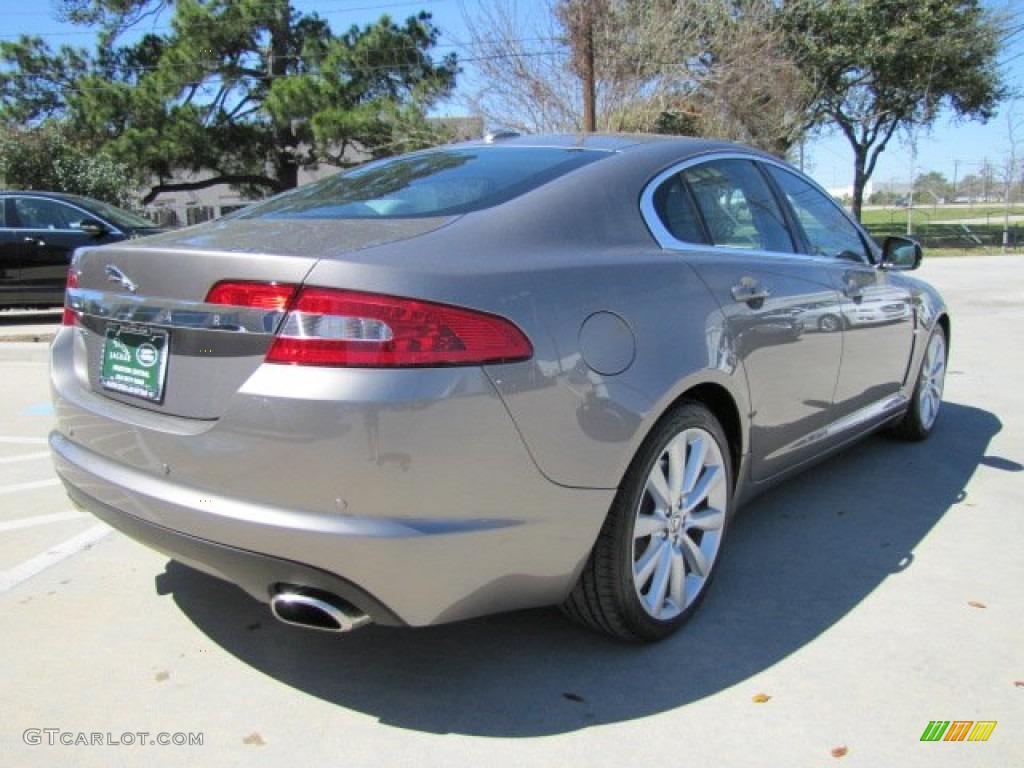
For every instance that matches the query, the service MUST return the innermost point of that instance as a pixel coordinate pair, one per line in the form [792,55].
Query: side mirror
[93,228]
[901,253]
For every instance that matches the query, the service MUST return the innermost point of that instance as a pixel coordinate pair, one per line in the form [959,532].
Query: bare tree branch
[234,180]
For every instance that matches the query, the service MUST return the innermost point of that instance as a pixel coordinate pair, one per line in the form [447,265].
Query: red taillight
[70,317]
[344,328]
[256,295]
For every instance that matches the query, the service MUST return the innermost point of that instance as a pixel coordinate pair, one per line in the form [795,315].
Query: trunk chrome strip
[172,313]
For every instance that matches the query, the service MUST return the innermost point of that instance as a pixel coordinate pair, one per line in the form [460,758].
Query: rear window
[435,183]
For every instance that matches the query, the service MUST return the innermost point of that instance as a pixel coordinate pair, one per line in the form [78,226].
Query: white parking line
[14,576]
[31,522]
[25,457]
[18,487]
[25,440]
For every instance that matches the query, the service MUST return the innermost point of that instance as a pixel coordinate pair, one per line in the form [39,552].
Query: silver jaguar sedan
[537,370]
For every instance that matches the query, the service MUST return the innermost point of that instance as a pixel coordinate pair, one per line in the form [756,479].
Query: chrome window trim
[668,241]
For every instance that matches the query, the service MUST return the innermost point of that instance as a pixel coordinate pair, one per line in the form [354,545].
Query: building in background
[188,207]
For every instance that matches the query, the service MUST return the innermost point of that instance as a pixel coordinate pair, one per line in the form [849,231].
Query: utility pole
[1010,164]
[910,195]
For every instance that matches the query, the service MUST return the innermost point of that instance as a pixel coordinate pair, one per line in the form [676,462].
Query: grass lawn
[991,212]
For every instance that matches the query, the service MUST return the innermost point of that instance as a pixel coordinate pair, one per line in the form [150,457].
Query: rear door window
[737,206]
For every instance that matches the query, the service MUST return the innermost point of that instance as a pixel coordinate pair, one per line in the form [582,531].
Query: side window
[829,232]
[37,213]
[674,206]
[3,212]
[738,206]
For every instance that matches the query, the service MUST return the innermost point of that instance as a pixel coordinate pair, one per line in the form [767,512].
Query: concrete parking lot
[879,592]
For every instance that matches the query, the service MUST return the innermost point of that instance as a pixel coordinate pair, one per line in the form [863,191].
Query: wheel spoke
[676,464]
[659,584]
[695,557]
[711,477]
[644,567]
[710,519]
[695,463]
[677,581]
[936,363]
[649,525]
[658,488]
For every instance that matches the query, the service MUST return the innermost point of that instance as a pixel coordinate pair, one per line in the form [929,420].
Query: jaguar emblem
[115,275]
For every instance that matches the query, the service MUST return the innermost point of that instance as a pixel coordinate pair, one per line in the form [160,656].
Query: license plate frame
[133,361]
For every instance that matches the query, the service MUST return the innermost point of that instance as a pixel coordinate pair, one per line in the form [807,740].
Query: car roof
[42,193]
[614,142]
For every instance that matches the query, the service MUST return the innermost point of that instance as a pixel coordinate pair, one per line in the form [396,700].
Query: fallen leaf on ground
[976,604]
[254,738]
[760,698]
[839,751]
[161,676]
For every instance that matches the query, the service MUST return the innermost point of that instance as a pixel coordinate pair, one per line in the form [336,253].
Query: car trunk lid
[150,337]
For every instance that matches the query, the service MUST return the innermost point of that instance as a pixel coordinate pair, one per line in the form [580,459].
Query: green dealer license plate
[135,362]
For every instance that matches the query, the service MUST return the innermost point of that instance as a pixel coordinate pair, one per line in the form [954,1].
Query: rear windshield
[435,183]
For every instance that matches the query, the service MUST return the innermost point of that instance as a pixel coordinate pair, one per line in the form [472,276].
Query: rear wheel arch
[722,405]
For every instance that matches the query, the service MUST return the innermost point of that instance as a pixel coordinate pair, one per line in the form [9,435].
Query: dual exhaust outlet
[316,609]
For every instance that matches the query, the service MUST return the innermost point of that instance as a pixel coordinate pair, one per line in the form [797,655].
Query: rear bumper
[398,571]
[254,572]
[408,493]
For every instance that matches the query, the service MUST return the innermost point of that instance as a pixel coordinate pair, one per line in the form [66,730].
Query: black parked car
[38,233]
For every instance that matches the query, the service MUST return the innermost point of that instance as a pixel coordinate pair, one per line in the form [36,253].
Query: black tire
[829,324]
[923,412]
[679,543]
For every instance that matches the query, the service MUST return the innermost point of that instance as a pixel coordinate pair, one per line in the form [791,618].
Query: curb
[35,338]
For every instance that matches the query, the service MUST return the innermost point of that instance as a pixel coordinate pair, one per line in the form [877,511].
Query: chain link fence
[962,236]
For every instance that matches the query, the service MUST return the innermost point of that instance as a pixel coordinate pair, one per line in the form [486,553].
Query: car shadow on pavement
[798,560]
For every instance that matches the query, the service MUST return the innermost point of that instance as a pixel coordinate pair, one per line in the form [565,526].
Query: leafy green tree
[932,187]
[243,92]
[880,65]
[883,197]
[47,158]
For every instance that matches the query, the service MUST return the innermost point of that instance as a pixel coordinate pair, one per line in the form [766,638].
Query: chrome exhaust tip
[317,611]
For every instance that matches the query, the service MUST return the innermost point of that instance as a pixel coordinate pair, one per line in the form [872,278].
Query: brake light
[70,316]
[344,328]
[272,296]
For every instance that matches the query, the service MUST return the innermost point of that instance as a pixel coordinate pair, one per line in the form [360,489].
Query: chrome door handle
[749,290]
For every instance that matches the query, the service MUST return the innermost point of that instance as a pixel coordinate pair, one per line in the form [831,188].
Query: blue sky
[951,148]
